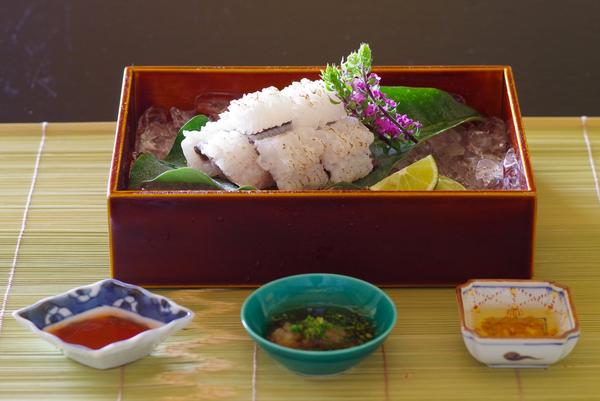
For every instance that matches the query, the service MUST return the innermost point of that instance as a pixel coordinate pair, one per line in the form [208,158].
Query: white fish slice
[346,154]
[233,154]
[311,104]
[257,111]
[293,159]
[195,159]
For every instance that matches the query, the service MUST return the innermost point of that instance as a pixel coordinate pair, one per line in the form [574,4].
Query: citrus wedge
[448,184]
[422,175]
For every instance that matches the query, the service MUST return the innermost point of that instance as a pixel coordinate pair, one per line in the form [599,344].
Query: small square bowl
[518,298]
[106,293]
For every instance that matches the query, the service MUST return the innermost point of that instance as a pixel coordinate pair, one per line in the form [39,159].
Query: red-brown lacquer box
[214,238]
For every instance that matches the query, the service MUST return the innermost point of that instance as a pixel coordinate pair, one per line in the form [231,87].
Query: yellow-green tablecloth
[64,243]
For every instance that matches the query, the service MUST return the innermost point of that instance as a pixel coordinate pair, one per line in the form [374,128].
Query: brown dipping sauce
[97,330]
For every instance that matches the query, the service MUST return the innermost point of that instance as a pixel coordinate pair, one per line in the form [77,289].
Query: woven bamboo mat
[64,244]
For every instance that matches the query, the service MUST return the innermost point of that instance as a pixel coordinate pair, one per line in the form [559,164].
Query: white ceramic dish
[169,318]
[514,296]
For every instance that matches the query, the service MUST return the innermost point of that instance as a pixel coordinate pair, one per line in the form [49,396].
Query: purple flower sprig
[359,90]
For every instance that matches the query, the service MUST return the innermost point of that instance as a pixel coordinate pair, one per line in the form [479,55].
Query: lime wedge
[422,175]
[448,184]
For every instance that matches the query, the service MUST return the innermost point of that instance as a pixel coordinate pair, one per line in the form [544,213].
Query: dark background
[62,60]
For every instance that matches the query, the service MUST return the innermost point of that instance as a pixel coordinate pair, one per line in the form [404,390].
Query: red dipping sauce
[100,327]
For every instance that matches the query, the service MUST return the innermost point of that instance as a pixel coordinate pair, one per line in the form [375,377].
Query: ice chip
[155,134]
[510,160]
[479,141]
[211,104]
[512,171]
[500,141]
[180,117]
[489,172]
[453,150]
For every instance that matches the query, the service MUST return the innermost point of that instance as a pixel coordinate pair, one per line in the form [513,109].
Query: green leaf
[247,188]
[176,156]
[351,67]
[148,172]
[185,178]
[436,109]
[145,168]
[365,56]
[331,78]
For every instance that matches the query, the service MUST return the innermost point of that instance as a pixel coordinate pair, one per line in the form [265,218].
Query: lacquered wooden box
[214,238]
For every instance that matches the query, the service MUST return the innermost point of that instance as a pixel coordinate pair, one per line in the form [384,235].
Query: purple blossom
[377,94]
[359,85]
[374,79]
[403,119]
[386,127]
[358,97]
[370,110]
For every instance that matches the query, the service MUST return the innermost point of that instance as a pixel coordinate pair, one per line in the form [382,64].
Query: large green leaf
[437,110]
[187,178]
[176,156]
[145,168]
[247,188]
[148,172]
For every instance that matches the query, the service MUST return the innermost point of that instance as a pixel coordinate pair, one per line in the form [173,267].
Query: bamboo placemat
[64,244]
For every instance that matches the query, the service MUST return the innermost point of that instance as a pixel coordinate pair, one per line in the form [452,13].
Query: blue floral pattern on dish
[105,293]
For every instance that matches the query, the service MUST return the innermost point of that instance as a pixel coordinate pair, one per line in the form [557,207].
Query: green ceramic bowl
[323,290]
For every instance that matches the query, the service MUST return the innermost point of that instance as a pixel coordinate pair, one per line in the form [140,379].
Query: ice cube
[512,171]
[180,117]
[211,104]
[452,150]
[489,172]
[155,134]
[500,141]
[479,141]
